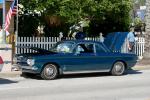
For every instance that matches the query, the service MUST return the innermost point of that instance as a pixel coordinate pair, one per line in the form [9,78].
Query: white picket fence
[48,42]
[139,46]
[40,42]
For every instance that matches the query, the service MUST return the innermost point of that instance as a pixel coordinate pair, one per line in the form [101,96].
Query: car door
[82,59]
[85,59]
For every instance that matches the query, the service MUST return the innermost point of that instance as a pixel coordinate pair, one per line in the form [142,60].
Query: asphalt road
[133,86]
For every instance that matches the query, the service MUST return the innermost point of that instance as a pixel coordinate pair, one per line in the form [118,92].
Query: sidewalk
[10,74]
[141,65]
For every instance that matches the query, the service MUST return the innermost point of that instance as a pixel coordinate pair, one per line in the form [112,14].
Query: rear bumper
[131,64]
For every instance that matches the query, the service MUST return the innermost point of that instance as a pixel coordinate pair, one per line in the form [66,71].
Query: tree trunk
[147,35]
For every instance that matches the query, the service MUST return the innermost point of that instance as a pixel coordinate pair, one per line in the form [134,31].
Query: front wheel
[118,68]
[49,72]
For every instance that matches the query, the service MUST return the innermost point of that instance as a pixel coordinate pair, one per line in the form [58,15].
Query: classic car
[74,56]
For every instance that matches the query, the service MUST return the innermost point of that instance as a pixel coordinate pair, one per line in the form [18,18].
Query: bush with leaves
[58,15]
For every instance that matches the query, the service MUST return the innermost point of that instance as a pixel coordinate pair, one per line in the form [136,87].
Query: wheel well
[51,63]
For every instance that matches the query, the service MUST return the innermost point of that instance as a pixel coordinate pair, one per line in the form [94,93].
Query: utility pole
[16,32]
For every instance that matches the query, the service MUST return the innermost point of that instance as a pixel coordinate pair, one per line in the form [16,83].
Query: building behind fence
[48,42]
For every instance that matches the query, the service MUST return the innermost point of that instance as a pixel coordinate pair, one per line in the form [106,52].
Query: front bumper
[27,68]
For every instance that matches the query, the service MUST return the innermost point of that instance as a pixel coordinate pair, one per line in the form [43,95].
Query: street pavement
[134,85]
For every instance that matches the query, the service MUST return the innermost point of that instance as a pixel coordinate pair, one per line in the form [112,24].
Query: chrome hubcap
[119,68]
[49,71]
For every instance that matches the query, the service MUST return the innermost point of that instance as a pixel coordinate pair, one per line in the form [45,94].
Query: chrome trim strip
[25,67]
[28,67]
[91,71]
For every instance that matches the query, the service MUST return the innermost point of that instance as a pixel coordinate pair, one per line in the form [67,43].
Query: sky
[1,1]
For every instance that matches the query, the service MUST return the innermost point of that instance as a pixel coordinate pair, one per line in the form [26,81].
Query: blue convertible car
[74,56]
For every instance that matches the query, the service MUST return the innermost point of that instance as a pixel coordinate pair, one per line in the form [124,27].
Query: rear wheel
[118,68]
[49,72]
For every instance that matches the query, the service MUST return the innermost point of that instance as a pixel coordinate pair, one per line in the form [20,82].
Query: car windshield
[62,47]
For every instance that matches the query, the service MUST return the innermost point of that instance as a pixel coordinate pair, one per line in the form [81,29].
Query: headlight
[30,62]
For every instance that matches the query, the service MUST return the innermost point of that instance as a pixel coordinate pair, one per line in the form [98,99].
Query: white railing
[41,42]
[48,42]
[139,46]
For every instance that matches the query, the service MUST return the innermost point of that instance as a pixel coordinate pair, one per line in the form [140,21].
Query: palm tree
[147,36]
